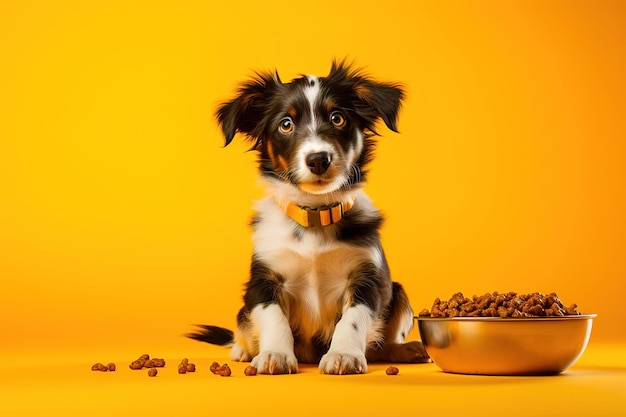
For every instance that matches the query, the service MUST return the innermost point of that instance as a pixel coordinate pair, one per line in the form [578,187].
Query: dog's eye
[286,125]
[337,119]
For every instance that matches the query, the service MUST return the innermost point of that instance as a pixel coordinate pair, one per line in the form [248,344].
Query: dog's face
[313,133]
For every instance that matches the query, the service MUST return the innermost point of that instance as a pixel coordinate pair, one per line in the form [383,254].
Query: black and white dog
[319,288]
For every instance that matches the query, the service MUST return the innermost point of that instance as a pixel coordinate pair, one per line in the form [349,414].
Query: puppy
[319,289]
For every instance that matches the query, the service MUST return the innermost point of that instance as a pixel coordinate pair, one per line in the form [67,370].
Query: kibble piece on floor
[224,370]
[98,367]
[392,370]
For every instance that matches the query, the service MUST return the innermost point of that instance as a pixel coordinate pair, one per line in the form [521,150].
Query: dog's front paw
[274,363]
[337,363]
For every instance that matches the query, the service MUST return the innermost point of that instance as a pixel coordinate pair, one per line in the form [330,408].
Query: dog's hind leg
[397,328]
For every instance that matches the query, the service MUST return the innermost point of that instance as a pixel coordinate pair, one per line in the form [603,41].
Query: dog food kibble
[504,305]
[152,372]
[185,366]
[224,370]
[158,362]
[144,361]
[214,367]
[141,362]
[250,371]
[103,368]
[99,367]
[392,370]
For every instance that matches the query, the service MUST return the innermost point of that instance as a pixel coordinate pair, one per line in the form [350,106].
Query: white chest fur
[314,266]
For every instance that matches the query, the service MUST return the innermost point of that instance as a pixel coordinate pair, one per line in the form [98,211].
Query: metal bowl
[505,346]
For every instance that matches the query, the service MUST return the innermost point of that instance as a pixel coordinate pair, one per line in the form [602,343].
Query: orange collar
[321,216]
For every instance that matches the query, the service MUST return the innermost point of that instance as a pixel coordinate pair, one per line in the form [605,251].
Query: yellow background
[123,220]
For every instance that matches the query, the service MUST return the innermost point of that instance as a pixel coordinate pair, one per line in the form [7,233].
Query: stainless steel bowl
[505,346]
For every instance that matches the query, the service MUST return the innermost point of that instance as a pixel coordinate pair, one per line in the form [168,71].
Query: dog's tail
[213,335]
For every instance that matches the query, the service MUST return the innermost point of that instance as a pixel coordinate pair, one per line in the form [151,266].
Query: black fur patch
[320,344]
[353,229]
[263,286]
[370,286]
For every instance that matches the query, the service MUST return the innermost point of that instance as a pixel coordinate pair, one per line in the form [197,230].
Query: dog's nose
[318,162]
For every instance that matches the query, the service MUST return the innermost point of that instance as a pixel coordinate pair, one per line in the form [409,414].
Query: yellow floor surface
[37,384]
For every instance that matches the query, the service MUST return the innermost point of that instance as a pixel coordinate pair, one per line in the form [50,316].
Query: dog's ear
[246,112]
[372,100]
[383,99]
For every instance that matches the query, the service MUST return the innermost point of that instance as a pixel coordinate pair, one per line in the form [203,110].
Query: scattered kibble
[158,362]
[214,367]
[221,370]
[392,370]
[99,367]
[250,371]
[144,361]
[224,370]
[185,366]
